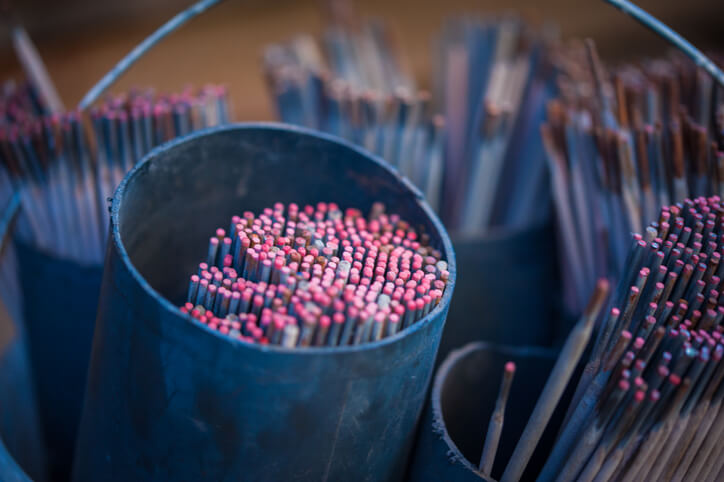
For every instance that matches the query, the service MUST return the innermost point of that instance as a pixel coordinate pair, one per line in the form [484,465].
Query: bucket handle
[139,50]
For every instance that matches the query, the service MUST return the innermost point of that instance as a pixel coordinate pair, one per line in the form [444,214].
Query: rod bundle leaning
[619,146]
[353,84]
[66,166]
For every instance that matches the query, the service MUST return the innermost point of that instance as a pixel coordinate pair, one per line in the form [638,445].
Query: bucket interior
[467,399]
[173,203]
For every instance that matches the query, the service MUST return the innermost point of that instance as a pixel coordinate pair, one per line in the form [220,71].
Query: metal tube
[226,409]
[463,397]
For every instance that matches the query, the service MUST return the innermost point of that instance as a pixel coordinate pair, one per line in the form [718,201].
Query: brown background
[81,39]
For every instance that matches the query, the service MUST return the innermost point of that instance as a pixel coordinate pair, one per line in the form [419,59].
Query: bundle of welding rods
[358,90]
[316,276]
[648,404]
[66,172]
[621,146]
[478,162]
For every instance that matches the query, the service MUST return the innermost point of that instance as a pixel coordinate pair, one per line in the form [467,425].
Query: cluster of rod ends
[316,276]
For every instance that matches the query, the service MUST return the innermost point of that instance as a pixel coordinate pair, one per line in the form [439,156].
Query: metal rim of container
[116,204]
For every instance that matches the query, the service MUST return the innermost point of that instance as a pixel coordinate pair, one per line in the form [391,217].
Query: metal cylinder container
[455,420]
[10,471]
[20,437]
[170,399]
[60,305]
[507,292]
[21,449]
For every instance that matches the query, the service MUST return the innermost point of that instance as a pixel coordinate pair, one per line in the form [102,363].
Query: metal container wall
[170,399]
[455,420]
[10,471]
[20,438]
[61,301]
[507,292]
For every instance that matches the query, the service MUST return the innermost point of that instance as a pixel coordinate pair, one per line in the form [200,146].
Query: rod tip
[598,297]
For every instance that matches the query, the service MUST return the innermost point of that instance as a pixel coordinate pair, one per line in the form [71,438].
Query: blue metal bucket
[60,305]
[456,417]
[10,471]
[507,292]
[20,438]
[21,447]
[168,399]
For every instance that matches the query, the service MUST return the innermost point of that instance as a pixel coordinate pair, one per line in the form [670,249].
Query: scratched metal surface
[455,420]
[20,439]
[168,399]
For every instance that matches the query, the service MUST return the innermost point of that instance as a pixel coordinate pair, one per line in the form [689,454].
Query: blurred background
[81,39]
